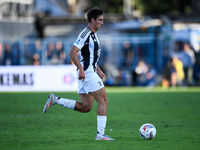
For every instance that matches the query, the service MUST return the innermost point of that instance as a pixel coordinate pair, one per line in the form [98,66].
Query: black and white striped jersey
[90,49]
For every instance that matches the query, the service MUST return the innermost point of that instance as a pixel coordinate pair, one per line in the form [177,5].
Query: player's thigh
[87,100]
[100,95]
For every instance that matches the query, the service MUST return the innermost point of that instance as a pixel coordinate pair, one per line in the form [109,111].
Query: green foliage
[146,7]
[175,114]
[155,6]
[109,6]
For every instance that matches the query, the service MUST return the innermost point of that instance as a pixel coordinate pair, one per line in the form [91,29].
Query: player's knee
[106,100]
[103,101]
[87,109]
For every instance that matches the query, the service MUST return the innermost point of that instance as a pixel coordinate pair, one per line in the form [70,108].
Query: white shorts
[91,83]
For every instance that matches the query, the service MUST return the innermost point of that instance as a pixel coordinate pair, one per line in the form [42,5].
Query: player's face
[98,22]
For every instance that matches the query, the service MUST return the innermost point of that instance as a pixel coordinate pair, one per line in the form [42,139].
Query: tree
[109,6]
[156,7]
[151,7]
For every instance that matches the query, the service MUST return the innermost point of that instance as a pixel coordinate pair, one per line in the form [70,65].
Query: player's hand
[101,74]
[81,75]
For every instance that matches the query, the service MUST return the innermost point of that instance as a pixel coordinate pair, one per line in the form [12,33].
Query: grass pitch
[174,112]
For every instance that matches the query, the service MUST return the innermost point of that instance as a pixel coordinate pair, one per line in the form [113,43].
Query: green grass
[174,112]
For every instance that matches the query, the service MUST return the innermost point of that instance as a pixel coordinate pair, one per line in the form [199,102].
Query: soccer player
[90,85]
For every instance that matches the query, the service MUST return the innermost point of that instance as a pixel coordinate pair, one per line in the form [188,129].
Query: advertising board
[38,78]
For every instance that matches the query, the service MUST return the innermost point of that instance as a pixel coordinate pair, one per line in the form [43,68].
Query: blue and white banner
[38,78]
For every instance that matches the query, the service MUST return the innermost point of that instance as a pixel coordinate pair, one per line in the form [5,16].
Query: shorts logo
[100,84]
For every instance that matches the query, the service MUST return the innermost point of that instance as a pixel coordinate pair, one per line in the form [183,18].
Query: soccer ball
[147,131]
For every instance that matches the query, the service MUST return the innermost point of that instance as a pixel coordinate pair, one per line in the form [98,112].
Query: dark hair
[94,13]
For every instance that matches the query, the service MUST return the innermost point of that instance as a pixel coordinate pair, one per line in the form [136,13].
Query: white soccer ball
[147,131]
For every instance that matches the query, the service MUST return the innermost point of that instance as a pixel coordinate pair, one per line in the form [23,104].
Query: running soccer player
[90,85]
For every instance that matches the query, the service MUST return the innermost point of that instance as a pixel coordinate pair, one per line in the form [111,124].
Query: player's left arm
[100,73]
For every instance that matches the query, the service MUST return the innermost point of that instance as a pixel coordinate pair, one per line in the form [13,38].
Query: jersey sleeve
[80,41]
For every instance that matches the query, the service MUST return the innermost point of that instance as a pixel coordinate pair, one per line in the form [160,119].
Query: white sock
[101,124]
[67,103]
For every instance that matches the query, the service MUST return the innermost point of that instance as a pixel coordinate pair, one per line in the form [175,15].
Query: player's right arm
[74,57]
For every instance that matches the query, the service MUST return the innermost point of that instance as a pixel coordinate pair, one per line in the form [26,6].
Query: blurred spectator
[178,76]
[128,54]
[151,76]
[197,69]
[140,73]
[63,59]
[187,57]
[168,70]
[37,53]
[15,55]
[0,54]
[173,73]
[35,59]
[27,52]
[102,63]
[59,48]
[56,54]
[50,51]
[54,60]
[7,58]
